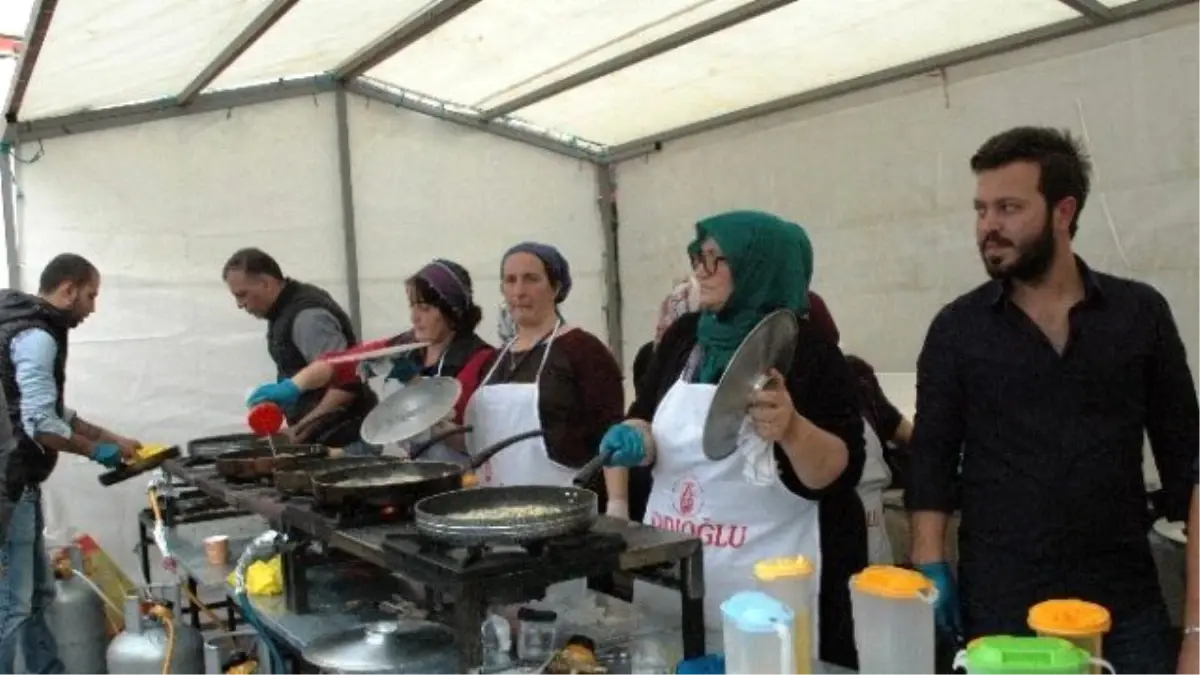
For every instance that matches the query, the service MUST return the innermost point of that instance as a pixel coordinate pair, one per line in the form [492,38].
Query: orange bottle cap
[777,569]
[892,582]
[1074,618]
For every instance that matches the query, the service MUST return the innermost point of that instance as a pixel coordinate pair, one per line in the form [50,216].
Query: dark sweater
[823,390]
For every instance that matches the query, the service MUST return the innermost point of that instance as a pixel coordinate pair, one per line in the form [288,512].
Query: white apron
[500,411]
[874,481]
[738,522]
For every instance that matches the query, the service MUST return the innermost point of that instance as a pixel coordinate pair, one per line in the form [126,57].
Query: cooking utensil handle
[589,470]
[419,449]
[487,453]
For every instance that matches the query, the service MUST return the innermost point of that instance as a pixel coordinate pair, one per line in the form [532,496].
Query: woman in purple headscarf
[550,376]
[444,315]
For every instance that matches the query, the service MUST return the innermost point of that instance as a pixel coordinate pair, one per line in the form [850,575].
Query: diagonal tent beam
[662,45]
[249,35]
[1093,9]
[410,30]
[39,26]
[654,142]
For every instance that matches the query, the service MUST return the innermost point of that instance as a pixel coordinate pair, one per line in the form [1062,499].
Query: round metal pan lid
[406,646]
[771,344]
[408,412]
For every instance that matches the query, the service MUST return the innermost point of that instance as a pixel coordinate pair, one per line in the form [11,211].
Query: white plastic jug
[893,620]
[758,635]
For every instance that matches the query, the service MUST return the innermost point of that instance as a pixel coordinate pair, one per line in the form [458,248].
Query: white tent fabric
[483,56]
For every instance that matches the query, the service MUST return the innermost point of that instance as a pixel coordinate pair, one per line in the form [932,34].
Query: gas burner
[348,515]
[585,554]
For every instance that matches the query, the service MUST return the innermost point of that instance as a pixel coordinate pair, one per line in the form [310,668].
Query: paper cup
[216,549]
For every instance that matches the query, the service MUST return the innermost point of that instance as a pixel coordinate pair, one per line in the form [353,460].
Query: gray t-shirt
[317,331]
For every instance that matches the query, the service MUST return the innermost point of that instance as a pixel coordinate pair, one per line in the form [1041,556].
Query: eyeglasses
[706,261]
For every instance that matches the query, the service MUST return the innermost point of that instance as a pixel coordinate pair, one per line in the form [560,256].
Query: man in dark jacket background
[33,362]
[303,322]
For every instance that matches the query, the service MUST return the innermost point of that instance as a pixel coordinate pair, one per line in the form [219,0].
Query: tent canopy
[598,78]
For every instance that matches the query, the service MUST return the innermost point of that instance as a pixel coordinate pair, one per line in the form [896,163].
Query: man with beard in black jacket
[303,322]
[33,364]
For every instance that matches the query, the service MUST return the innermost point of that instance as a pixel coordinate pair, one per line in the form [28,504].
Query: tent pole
[606,201]
[10,216]
[348,228]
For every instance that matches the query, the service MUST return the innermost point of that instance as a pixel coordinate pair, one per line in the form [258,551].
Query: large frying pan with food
[520,514]
[402,485]
[297,479]
[261,461]
[770,344]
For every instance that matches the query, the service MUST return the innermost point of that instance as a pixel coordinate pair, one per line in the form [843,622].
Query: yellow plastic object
[1075,618]
[148,451]
[776,569]
[886,581]
[263,578]
[469,480]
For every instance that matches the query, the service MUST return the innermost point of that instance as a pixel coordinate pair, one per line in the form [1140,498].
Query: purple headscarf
[451,282]
[556,265]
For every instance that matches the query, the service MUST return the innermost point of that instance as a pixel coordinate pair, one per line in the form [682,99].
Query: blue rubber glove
[107,455]
[709,664]
[625,442]
[285,393]
[403,371]
[946,610]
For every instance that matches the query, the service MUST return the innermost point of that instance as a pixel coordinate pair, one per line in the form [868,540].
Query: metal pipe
[10,216]
[606,200]
[411,29]
[244,40]
[349,230]
[39,25]
[1093,9]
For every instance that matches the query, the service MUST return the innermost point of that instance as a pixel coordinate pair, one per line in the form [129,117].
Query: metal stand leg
[194,591]
[295,580]
[144,541]
[691,600]
[468,616]
[230,616]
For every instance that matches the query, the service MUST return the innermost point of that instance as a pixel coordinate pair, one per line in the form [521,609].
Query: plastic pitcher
[893,620]
[1008,655]
[790,580]
[1082,623]
[758,635]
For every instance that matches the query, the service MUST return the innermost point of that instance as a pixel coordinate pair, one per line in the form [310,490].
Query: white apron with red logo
[875,479]
[739,523]
[500,411]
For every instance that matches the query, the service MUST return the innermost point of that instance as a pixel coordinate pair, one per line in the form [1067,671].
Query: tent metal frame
[502,119]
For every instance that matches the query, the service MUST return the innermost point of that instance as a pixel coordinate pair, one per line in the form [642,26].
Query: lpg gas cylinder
[152,631]
[76,617]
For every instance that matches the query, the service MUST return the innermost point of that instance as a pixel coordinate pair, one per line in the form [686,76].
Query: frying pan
[402,485]
[520,514]
[261,461]
[297,479]
[209,447]
[770,344]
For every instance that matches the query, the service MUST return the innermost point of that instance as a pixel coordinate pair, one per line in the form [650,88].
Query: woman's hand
[772,410]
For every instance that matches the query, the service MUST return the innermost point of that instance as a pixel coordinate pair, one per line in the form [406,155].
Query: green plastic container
[1009,655]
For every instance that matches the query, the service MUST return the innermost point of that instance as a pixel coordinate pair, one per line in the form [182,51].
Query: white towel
[758,455]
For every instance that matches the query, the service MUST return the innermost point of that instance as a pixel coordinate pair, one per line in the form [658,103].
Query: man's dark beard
[1033,259]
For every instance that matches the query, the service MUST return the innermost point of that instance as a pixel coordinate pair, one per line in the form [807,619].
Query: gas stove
[306,514]
[535,564]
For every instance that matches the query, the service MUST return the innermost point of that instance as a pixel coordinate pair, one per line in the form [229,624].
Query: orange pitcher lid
[777,569]
[892,582]
[1070,617]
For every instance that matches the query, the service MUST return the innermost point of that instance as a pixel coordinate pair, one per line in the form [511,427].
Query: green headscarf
[771,261]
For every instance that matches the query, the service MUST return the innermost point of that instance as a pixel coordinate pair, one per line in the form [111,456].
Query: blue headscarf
[557,267]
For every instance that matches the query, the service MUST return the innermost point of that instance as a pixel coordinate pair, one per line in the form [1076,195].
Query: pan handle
[487,453]
[419,449]
[589,470]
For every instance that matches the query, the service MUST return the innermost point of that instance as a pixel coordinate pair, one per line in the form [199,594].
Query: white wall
[880,179]
[426,189]
[159,208]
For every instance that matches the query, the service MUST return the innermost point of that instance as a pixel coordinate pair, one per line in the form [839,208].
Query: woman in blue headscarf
[799,455]
[548,375]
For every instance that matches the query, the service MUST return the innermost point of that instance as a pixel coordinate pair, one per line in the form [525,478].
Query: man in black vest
[303,322]
[33,364]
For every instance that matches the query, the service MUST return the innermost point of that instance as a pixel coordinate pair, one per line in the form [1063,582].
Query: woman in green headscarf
[800,453]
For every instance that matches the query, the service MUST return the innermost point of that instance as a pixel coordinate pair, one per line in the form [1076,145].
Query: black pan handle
[419,449]
[487,453]
[588,472]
